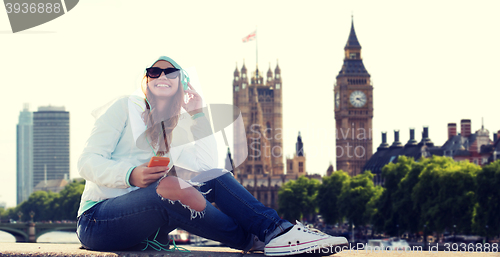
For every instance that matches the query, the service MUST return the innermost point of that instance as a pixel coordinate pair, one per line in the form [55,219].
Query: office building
[50,144]
[24,148]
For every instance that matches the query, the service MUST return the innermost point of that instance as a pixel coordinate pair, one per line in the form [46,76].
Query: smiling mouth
[163,85]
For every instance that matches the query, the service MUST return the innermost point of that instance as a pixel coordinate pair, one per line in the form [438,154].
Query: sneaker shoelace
[155,245]
[311,230]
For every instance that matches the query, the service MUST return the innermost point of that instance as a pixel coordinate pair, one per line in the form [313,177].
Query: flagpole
[256,55]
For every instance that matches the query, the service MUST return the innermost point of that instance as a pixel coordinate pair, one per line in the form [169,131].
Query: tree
[297,198]
[355,197]
[444,194]
[40,203]
[408,214]
[69,200]
[486,214]
[54,206]
[328,196]
[9,213]
[385,217]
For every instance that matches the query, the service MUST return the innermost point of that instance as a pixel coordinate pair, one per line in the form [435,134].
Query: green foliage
[385,216]
[48,205]
[438,193]
[69,200]
[444,194]
[486,213]
[328,196]
[407,212]
[40,202]
[297,198]
[7,214]
[355,196]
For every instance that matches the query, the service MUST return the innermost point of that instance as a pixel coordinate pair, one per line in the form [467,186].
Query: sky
[431,63]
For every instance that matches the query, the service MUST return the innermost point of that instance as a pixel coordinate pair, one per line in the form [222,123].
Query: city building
[353,107]
[389,153]
[495,148]
[260,103]
[50,144]
[24,145]
[476,148]
[297,164]
[53,185]
[265,188]
[330,170]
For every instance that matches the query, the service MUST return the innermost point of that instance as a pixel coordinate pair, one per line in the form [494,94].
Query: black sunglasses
[155,72]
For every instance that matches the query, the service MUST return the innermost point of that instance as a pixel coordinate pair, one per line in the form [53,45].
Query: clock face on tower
[357,99]
[337,100]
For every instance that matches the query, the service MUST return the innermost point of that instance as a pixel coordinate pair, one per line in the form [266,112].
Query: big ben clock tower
[353,105]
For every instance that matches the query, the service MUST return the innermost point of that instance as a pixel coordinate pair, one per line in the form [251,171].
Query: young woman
[125,202]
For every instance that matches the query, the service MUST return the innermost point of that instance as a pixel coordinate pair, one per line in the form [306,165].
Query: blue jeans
[125,221]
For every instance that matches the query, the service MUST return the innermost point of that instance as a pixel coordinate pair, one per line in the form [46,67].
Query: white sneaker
[301,239]
[258,246]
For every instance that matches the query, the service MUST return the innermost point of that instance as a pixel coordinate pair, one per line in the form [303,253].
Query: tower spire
[352,41]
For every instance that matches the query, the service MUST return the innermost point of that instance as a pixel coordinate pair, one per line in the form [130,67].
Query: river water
[63,237]
[59,237]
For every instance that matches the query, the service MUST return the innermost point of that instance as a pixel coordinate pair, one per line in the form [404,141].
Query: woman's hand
[194,101]
[142,176]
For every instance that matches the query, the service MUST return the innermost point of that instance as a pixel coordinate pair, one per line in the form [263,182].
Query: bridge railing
[31,231]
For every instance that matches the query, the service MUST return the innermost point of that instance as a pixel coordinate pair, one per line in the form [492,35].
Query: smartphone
[158,161]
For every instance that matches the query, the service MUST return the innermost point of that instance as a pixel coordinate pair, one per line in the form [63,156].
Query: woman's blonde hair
[161,123]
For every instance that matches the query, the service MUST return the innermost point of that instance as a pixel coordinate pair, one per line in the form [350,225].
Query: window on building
[256,149]
[301,167]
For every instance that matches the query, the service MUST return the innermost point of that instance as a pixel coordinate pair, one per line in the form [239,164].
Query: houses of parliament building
[259,98]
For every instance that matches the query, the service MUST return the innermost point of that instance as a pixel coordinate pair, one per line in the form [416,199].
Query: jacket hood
[168,59]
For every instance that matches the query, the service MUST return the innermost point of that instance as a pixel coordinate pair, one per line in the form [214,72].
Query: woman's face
[162,86]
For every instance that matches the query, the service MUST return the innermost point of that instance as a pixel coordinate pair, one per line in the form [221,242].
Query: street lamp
[19,214]
[352,233]
[454,233]
[425,236]
[486,234]
[32,214]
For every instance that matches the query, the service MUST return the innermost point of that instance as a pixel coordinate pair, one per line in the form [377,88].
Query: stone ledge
[73,250]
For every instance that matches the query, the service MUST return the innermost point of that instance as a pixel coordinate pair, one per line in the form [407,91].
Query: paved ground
[39,249]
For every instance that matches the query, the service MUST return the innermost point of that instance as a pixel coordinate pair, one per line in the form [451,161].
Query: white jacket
[117,144]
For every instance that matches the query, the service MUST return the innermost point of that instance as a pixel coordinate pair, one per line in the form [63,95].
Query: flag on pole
[250,37]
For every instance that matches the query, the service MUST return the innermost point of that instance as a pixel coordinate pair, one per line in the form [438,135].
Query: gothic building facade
[353,107]
[260,103]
